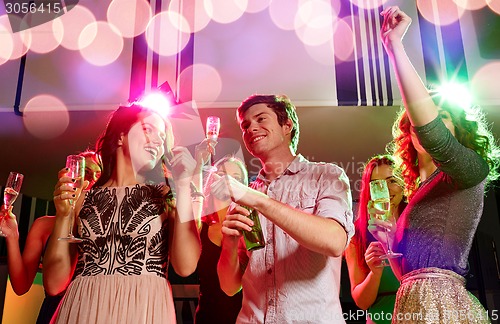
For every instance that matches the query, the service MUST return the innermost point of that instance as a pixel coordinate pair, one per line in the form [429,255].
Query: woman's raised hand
[394,27]
[182,165]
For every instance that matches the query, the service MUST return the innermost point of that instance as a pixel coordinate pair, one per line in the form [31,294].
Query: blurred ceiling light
[157,102]
[456,93]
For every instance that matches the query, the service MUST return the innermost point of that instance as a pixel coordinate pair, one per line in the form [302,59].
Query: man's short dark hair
[282,107]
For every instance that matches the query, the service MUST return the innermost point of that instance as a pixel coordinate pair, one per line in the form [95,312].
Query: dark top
[50,303]
[214,306]
[437,227]
[48,308]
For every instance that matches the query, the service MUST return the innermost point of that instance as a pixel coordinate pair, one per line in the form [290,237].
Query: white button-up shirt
[286,282]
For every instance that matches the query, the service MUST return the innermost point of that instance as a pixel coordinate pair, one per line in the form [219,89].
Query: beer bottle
[254,239]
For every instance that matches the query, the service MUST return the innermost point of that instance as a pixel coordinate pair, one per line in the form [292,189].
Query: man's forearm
[317,233]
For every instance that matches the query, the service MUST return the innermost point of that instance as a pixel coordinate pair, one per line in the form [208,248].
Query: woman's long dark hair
[119,124]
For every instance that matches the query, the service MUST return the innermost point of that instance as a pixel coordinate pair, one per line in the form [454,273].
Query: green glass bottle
[254,239]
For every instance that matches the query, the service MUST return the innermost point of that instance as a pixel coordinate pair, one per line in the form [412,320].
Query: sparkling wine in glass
[379,193]
[12,189]
[76,170]
[212,133]
[213,127]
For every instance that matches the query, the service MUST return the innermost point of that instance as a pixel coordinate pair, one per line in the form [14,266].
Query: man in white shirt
[306,216]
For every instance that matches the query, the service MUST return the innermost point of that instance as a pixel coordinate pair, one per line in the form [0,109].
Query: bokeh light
[322,53]
[314,22]
[344,40]
[484,83]
[74,22]
[471,4]
[21,40]
[7,44]
[257,5]
[341,46]
[225,11]
[45,116]
[46,37]
[441,13]
[106,46]
[494,5]
[131,17]
[194,12]
[167,34]
[371,4]
[283,12]
[207,83]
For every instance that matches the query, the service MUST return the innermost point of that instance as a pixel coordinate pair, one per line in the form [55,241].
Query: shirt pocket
[306,204]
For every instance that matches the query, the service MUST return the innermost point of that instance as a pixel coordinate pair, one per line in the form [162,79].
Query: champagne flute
[11,191]
[213,127]
[212,133]
[76,170]
[379,193]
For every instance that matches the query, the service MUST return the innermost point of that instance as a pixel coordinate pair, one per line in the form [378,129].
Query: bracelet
[197,194]
[197,200]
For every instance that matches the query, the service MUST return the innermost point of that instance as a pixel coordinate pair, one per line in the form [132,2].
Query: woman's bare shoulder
[43,222]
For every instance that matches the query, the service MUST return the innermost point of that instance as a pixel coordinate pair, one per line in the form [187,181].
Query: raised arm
[22,268]
[60,257]
[199,200]
[202,157]
[185,246]
[419,105]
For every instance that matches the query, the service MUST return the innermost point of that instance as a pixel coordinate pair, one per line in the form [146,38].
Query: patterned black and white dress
[120,275]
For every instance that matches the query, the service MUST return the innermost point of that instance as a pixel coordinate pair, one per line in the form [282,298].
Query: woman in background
[23,267]
[214,306]
[373,284]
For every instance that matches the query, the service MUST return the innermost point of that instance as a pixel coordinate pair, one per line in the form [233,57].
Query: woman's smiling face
[145,142]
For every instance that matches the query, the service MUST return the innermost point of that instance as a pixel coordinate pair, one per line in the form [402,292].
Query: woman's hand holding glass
[204,151]
[68,189]
[212,134]
[379,209]
[8,223]
[11,191]
[181,165]
[63,193]
[373,259]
